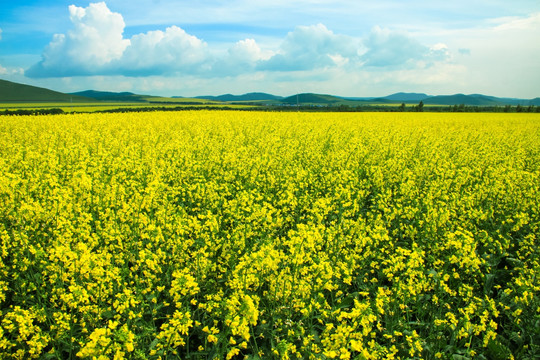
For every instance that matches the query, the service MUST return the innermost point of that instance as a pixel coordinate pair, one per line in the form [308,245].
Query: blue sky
[342,47]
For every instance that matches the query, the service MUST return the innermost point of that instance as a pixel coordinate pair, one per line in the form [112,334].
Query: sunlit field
[115,106]
[253,235]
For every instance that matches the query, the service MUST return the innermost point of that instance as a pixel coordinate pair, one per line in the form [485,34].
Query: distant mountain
[254,96]
[478,100]
[111,96]
[406,97]
[397,97]
[15,92]
[131,97]
[385,101]
[459,99]
[509,101]
[357,98]
[535,101]
[310,98]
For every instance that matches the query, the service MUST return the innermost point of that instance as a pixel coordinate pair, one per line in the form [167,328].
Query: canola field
[254,235]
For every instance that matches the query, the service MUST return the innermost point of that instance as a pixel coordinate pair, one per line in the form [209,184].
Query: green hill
[406,97]
[310,98]
[254,96]
[14,92]
[11,92]
[535,101]
[111,96]
[476,99]
[136,98]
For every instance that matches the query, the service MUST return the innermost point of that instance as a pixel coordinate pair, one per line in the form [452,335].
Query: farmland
[261,235]
[123,106]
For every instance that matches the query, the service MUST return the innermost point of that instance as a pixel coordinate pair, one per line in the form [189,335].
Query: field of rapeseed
[232,235]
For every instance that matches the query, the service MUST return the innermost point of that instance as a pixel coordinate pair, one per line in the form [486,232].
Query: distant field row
[177,104]
[100,106]
[107,106]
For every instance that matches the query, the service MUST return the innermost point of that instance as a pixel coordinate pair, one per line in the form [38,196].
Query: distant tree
[420,106]
[519,108]
[402,107]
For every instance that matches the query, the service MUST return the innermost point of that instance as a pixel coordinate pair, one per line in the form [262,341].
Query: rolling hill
[406,97]
[310,98]
[456,99]
[15,92]
[111,96]
[476,99]
[254,96]
[131,98]
[535,101]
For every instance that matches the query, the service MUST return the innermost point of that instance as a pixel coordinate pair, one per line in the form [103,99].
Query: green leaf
[497,351]
[488,285]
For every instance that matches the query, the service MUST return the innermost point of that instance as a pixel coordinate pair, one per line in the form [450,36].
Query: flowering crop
[231,235]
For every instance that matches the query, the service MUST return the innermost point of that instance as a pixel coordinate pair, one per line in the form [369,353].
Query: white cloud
[248,51]
[310,47]
[391,48]
[10,71]
[90,47]
[501,59]
[519,23]
[439,52]
[241,58]
[97,34]
[158,52]
[96,46]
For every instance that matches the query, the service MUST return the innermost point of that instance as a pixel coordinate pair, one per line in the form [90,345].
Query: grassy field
[107,106]
[254,235]
[14,96]
[66,106]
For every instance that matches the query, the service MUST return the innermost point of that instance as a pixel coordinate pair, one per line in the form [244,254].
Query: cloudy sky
[211,47]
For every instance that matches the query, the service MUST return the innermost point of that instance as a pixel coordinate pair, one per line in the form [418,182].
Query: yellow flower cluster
[261,235]
[108,342]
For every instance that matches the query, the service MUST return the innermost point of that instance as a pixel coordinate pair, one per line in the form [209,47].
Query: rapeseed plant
[230,235]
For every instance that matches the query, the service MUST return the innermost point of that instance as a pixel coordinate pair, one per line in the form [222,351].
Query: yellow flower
[232,352]
[212,338]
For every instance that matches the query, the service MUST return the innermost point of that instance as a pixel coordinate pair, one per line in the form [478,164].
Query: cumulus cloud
[242,57]
[439,52]
[310,47]
[11,71]
[248,51]
[390,48]
[95,45]
[158,52]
